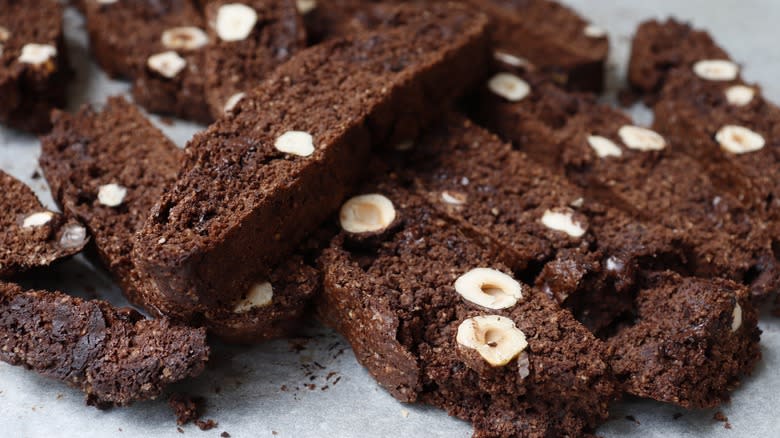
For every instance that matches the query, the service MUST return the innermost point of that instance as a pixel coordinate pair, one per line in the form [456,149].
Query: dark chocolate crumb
[224,435]
[720,416]
[273,432]
[36,174]
[206,425]
[180,430]
[185,407]
[283,388]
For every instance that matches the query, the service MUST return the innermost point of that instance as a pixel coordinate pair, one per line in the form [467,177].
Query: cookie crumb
[404,413]
[720,416]
[180,430]
[224,435]
[206,425]
[185,407]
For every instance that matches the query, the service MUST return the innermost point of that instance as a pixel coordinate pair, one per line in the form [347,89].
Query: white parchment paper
[311,386]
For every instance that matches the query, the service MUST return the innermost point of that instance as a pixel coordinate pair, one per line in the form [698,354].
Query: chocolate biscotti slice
[114,356]
[692,341]
[258,181]
[660,47]
[32,236]
[436,316]
[34,69]
[250,39]
[108,168]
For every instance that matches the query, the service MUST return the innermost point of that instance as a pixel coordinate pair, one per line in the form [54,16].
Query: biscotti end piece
[221,223]
[107,168]
[249,40]
[692,341]
[34,69]
[114,356]
[33,236]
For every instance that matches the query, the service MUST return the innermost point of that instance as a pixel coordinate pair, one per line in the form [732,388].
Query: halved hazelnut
[604,147]
[453,198]
[37,54]
[296,143]
[509,86]
[739,140]
[740,95]
[367,213]
[168,64]
[260,295]
[496,338]
[736,318]
[233,101]
[562,219]
[38,219]
[235,21]
[305,6]
[489,288]
[184,38]
[641,139]
[716,70]
[111,195]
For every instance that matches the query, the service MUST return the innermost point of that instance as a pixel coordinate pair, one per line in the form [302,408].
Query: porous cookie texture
[221,220]
[114,356]
[119,148]
[34,69]
[527,367]
[691,342]
[32,235]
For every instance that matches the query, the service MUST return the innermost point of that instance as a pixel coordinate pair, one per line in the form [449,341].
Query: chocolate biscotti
[691,342]
[34,69]
[32,236]
[114,356]
[258,181]
[108,168]
[437,317]
[250,39]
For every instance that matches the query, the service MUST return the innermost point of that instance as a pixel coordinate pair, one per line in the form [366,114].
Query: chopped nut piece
[593,31]
[604,147]
[37,54]
[511,60]
[716,70]
[168,64]
[235,21]
[305,6]
[295,143]
[641,139]
[73,236]
[111,195]
[367,213]
[233,101]
[736,320]
[509,86]
[740,95]
[184,38]
[562,219]
[489,288]
[5,34]
[739,140]
[260,295]
[494,337]
[36,220]
[453,198]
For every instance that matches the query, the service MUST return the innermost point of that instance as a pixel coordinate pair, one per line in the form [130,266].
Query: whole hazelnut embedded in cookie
[38,219]
[562,219]
[739,140]
[367,213]
[740,95]
[496,338]
[489,288]
[509,86]
[641,139]
[604,147]
[235,21]
[296,143]
[184,38]
[233,101]
[716,70]
[111,195]
[168,64]
[736,318]
[305,6]
[37,54]
[260,295]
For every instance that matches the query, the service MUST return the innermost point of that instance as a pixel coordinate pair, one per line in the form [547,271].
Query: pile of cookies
[437,180]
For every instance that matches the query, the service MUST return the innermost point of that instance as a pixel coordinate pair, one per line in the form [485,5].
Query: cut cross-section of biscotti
[660,47]
[33,236]
[250,39]
[438,317]
[692,341]
[108,168]
[258,181]
[114,356]
[638,171]
[34,69]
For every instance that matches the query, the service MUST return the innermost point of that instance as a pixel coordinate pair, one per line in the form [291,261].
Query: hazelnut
[367,213]
[305,6]
[716,70]
[296,143]
[736,318]
[740,95]
[494,337]
[111,195]
[5,34]
[577,203]
[739,140]
[73,236]
[511,60]
[562,219]
[233,101]
[523,365]
[489,288]
[641,139]
[36,220]
[593,31]
[168,64]
[260,295]
[604,147]
[235,21]
[509,86]
[184,38]
[37,54]
[453,198]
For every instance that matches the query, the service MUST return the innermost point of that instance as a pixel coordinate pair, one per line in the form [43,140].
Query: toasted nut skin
[489,288]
